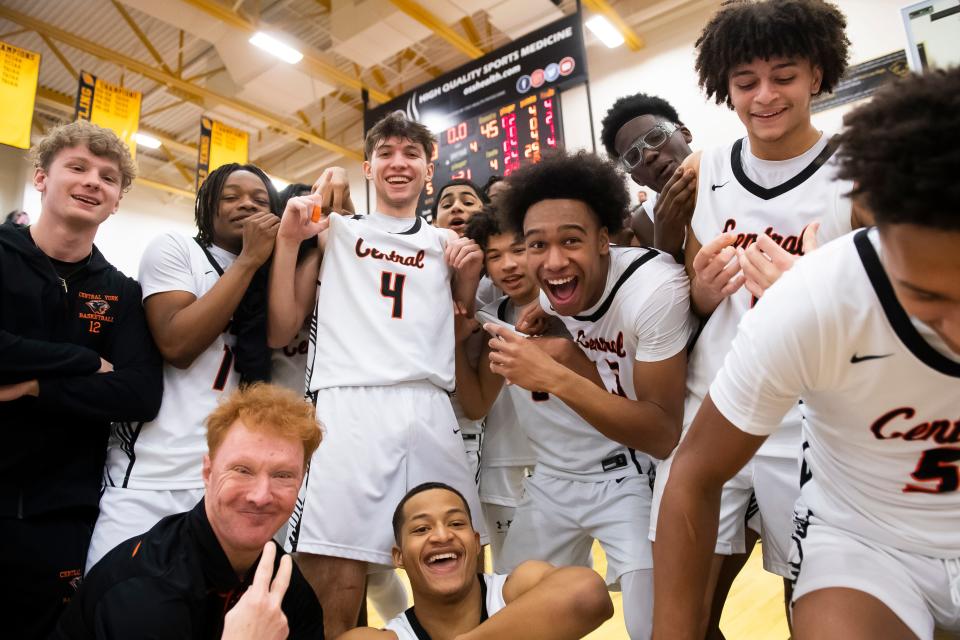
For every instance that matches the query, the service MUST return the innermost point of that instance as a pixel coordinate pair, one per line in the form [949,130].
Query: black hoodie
[56,331]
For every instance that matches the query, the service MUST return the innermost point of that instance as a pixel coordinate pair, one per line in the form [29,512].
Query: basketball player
[867,332]
[289,366]
[585,486]
[192,289]
[456,203]
[759,203]
[381,362]
[626,308]
[645,135]
[289,363]
[438,548]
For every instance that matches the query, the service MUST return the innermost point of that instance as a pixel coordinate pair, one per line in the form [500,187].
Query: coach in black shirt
[181,578]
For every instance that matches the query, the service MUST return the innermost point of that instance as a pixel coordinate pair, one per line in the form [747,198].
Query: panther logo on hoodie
[99,307]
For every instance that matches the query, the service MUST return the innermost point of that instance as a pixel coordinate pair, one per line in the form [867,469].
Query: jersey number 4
[391,286]
[940,468]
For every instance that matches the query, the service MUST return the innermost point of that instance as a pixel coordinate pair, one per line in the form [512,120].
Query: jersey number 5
[938,466]
[391,286]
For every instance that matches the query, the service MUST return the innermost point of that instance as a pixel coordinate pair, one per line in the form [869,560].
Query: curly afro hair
[745,30]
[485,224]
[582,176]
[902,149]
[626,109]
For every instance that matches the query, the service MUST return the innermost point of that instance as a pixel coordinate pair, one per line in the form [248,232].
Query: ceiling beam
[141,36]
[59,55]
[188,176]
[428,19]
[205,74]
[630,36]
[466,23]
[170,80]
[412,56]
[166,107]
[169,188]
[311,59]
[64,104]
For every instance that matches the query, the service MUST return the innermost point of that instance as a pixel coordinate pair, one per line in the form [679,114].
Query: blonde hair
[101,142]
[266,408]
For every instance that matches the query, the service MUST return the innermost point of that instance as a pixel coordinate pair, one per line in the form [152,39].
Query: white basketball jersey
[167,453]
[562,444]
[407,626]
[288,366]
[643,315]
[384,310]
[881,436]
[740,193]
[505,442]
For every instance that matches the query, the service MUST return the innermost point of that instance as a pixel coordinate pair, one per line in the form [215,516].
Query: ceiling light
[143,140]
[605,31]
[273,46]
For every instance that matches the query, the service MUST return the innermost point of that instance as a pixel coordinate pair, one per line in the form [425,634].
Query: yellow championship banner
[109,106]
[220,144]
[19,74]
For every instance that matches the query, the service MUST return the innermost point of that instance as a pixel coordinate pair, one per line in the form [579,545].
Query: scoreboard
[498,141]
[499,112]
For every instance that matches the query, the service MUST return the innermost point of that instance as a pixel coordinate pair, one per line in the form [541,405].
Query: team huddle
[307,398]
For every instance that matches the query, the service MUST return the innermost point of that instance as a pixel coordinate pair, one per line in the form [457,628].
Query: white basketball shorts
[559,519]
[774,483]
[922,591]
[378,443]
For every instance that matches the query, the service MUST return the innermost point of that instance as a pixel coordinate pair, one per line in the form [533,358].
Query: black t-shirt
[174,582]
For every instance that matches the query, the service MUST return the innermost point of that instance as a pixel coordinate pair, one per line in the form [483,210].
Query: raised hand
[764,261]
[717,270]
[673,211]
[259,235]
[532,319]
[297,224]
[258,614]
[520,361]
[333,187]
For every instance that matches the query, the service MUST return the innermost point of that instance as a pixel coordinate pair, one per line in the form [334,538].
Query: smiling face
[456,205]
[243,195]
[924,267]
[567,253]
[657,165]
[251,485]
[506,263]
[399,169]
[438,547]
[79,188]
[772,98]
